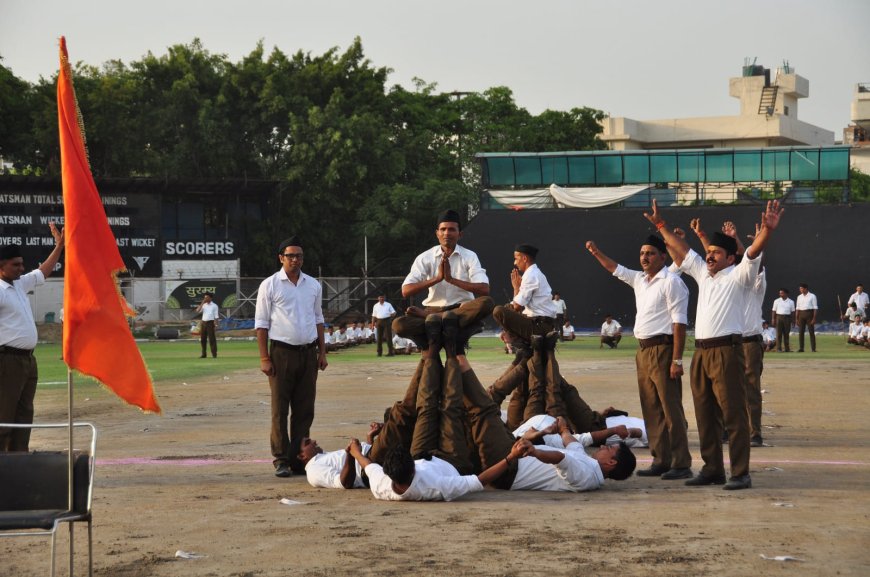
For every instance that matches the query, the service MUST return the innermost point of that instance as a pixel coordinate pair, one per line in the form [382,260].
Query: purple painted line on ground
[193,462]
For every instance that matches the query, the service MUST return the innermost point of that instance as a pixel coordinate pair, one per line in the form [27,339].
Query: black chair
[34,492]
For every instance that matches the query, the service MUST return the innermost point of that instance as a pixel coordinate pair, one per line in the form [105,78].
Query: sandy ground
[199,479]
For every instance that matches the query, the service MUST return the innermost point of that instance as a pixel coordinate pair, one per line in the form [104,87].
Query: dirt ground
[200,479]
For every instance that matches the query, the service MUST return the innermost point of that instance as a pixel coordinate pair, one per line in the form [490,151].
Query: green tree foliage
[355,158]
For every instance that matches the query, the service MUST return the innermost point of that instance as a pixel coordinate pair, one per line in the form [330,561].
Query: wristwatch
[678,362]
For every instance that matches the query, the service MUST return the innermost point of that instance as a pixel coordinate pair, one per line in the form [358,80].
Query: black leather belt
[753,339]
[13,351]
[716,342]
[656,340]
[288,346]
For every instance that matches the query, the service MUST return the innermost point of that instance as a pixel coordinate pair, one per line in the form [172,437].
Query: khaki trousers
[491,437]
[468,312]
[803,321]
[520,325]
[294,387]
[18,376]
[717,377]
[399,421]
[661,402]
[753,356]
[385,333]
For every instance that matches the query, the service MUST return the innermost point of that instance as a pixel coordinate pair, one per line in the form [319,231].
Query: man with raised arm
[717,374]
[662,301]
[18,338]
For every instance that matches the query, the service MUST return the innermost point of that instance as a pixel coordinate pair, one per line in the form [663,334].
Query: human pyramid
[447,437]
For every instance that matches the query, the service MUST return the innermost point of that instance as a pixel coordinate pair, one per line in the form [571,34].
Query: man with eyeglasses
[289,325]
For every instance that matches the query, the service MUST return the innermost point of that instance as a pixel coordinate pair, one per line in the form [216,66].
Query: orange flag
[96,337]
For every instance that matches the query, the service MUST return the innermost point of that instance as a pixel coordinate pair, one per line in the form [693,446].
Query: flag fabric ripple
[96,336]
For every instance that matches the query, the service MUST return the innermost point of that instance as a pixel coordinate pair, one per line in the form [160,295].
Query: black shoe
[550,340]
[653,471]
[283,471]
[736,483]
[202,356]
[701,479]
[756,441]
[449,332]
[433,330]
[678,473]
[522,355]
[800,350]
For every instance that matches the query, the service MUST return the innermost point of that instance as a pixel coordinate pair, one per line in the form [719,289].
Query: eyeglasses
[296,255]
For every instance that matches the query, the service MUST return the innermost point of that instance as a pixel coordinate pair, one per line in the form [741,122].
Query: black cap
[449,216]
[657,242]
[526,249]
[10,251]
[292,241]
[724,242]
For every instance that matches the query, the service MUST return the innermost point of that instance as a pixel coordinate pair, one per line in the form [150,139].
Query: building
[858,132]
[768,117]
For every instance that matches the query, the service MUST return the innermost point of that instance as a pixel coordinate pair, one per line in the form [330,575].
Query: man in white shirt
[454,279]
[662,301]
[768,335]
[403,346]
[382,317]
[753,347]
[18,338]
[807,307]
[561,311]
[717,370]
[853,311]
[532,310]
[335,469]
[861,299]
[856,331]
[568,331]
[783,313]
[611,332]
[210,314]
[289,324]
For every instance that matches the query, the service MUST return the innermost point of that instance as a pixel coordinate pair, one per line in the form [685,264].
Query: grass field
[179,360]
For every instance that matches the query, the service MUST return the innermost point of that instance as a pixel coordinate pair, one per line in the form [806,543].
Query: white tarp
[558,197]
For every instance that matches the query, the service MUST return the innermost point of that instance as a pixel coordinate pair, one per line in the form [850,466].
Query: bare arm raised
[608,263]
[677,247]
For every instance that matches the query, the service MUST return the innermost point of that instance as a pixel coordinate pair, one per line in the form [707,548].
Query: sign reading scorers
[199,248]
[134,219]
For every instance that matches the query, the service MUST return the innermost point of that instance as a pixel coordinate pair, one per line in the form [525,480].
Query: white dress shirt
[783,306]
[383,311]
[610,329]
[576,472]
[290,312]
[807,302]
[541,422]
[753,315]
[434,480]
[661,301]
[324,470]
[210,312]
[861,298]
[17,328]
[464,265]
[721,297]
[535,294]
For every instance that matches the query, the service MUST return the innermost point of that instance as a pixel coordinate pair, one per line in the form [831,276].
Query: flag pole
[71,462]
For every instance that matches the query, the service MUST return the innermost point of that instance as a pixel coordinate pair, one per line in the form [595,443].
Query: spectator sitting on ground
[342,338]
[852,312]
[568,331]
[768,336]
[856,331]
[611,332]
[329,339]
[368,333]
[403,346]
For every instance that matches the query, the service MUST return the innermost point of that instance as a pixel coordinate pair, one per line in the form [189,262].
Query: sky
[644,59]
